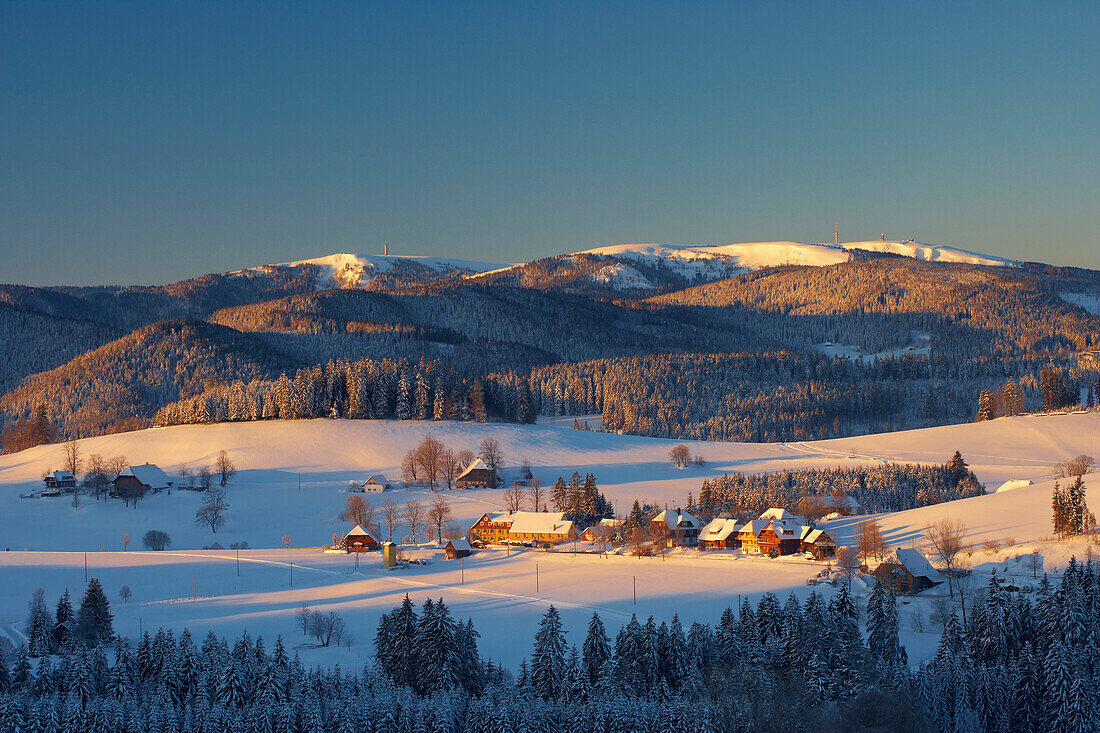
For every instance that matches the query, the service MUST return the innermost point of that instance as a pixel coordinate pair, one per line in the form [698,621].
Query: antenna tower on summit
[385,249]
[836,233]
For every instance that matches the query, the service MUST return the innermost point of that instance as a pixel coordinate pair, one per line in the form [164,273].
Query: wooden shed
[360,540]
[457,548]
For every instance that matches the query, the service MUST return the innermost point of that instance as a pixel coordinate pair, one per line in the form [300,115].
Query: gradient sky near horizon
[146,142]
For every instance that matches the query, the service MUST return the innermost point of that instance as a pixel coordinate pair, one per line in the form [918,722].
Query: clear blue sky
[145,143]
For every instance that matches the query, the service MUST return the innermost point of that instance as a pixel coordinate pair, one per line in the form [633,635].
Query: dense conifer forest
[1019,662]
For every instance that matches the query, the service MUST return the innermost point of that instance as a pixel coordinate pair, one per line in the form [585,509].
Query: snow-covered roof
[916,563]
[677,519]
[358,531]
[148,474]
[718,530]
[755,526]
[62,476]
[786,529]
[459,544]
[377,478]
[811,535]
[540,523]
[478,464]
[612,523]
[777,513]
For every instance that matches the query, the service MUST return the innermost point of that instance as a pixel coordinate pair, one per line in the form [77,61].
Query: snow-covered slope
[930,252]
[1090,303]
[346,270]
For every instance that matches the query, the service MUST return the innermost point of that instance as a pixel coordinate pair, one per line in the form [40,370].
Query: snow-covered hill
[344,270]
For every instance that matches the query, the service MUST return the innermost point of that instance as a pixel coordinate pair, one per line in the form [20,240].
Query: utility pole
[85,567]
[462,570]
[238,553]
[635,590]
[291,575]
[536,577]
[194,587]
[836,234]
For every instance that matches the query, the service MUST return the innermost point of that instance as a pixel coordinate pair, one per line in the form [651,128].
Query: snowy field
[187,586]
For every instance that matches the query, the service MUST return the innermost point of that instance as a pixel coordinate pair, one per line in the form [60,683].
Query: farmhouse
[818,543]
[375,484]
[606,530]
[784,515]
[136,481]
[720,534]
[780,537]
[541,527]
[491,528]
[457,548]
[360,540]
[843,504]
[908,571]
[681,528]
[57,482]
[477,474]
[748,536]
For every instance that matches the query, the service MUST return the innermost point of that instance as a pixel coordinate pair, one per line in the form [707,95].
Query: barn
[477,474]
[720,534]
[681,527]
[360,540]
[818,543]
[457,548]
[780,538]
[136,481]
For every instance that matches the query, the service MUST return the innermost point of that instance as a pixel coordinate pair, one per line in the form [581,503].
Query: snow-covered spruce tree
[596,649]
[548,658]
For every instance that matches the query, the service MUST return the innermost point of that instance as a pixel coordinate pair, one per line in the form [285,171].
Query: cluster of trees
[431,463]
[1018,663]
[435,518]
[890,488]
[47,633]
[581,500]
[361,389]
[430,652]
[763,396]
[1071,513]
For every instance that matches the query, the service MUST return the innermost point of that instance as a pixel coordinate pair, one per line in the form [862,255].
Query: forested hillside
[754,357]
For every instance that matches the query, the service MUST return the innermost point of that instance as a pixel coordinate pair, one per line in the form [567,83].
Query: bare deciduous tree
[286,540]
[408,468]
[814,507]
[156,540]
[226,469]
[945,544]
[847,562]
[513,498]
[391,513]
[206,478]
[73,461]
[96,478]
[429,460]
[465,458]
[535,493]
[1075,467]
[125,594]
[453,531]
[125,540]
[680,455]
[116,465]
[1034,562]
[438,514]
[212,513]
[869,541]
[414,517]
[450,467]
[491,453]
[358,510]
[184,474]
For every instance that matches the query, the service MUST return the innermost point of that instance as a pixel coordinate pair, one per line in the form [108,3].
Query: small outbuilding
[360,540]
[457,548]
[819,543]
[375,484]
[136,481]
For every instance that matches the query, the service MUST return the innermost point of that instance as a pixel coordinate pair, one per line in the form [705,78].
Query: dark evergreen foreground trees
[1021,664]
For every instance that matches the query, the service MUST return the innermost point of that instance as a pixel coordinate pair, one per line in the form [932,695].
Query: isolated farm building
[682,528]
[780,537]
[136,481]
[375,484]
[541,527]
[477,474]
[58,481]
[606,530]
[817,542]
[457,548]
[908,571]
[748,536]
[843,504]
[720,534]
[360,540]
[492,528]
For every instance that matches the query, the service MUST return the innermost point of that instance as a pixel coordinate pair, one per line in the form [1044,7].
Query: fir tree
[94,619]
[596,649]
[548,657]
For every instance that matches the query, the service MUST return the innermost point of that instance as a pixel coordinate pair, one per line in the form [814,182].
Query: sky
[147,143]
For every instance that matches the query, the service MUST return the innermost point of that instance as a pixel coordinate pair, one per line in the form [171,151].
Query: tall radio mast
[836,234]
